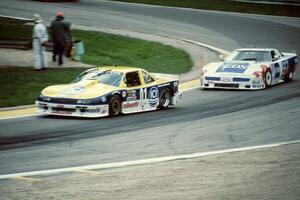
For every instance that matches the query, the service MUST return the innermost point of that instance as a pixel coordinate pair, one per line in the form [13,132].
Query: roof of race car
[118,68]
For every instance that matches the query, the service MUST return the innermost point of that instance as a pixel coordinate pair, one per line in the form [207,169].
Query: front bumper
[72,110]
[176,98]
[242,83]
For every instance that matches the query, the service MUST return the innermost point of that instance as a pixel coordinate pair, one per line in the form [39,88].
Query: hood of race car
[82,90]
[232,68]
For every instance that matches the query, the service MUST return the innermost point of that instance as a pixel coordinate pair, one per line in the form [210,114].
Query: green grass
[21,86]
[106,49]
[223,5]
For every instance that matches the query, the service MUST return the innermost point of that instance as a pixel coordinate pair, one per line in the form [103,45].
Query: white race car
[250,69]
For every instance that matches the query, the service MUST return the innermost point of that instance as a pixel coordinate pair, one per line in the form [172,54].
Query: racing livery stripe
[233,67]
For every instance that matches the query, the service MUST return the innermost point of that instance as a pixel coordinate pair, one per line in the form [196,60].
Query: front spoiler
[253,84]
[176,98]
[90,111]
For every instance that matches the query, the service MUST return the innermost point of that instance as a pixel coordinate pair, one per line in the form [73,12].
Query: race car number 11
[153,93]
[143,93]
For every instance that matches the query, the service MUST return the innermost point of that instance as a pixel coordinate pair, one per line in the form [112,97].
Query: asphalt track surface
[203,121]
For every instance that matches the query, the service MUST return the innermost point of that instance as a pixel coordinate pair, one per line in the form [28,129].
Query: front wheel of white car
[268,79]
[289,76]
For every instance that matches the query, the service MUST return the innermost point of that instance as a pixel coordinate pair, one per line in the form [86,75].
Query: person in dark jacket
[61,36]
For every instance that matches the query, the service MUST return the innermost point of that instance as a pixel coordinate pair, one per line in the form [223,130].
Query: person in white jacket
[39,42]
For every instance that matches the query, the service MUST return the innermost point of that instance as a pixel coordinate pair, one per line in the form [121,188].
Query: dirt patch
[24,58]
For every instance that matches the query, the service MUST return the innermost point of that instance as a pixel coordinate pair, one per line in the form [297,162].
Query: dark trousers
[58,50]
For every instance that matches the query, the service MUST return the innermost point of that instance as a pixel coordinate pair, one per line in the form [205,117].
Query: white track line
[140,162]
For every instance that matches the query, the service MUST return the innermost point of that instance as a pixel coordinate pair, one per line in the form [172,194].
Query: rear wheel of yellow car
[114,105]
[165,99]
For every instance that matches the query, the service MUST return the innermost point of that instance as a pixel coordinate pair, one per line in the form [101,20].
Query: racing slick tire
[268,78]
[164,99]
[289,77]
[115,105]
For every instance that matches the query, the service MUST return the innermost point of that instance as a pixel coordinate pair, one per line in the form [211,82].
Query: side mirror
[221,56]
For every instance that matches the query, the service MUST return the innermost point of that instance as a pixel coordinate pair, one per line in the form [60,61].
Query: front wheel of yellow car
[114,105]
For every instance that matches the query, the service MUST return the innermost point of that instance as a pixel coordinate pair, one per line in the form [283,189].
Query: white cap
[37,18]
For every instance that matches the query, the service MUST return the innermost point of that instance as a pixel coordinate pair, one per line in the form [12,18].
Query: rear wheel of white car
[165,99]
[114,105]
[268,78]
[289,76]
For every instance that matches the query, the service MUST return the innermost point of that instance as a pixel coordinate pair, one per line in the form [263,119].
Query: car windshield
[107,77]
[250,55]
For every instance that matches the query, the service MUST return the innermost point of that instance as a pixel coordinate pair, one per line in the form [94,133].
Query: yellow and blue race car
[109,91]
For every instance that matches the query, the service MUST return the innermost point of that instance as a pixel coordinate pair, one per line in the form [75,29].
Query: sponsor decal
[131,95]
[277,70]
[62,112]
[131,91]
[233,67]
[256,82]
[226,80]
[103,99]
[124,94]
[153,97]
[130,105]
[132,98]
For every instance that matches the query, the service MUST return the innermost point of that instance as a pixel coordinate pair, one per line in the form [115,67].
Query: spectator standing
[39,42]
[61,36]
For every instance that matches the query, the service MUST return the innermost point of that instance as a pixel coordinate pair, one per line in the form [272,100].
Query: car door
[277,66]
[142,94]
[151,89]
[132,100]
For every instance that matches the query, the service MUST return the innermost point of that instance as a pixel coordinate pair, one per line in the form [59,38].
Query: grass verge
[21,86]
[223,5]
[107,49]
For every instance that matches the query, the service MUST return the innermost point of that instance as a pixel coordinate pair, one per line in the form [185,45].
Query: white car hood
[232,68]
